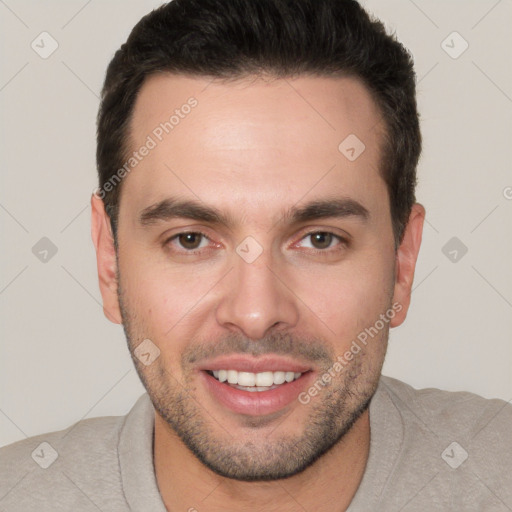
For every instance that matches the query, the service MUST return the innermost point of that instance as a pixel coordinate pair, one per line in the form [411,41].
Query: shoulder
[466,412]
[68,466]
[97,433]
[455,448]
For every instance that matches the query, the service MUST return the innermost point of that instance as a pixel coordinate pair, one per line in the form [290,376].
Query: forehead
[253,142]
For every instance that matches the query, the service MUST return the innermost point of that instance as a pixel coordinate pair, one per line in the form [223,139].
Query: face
[253,254]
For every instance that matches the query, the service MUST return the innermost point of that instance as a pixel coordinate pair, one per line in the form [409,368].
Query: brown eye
[322,243]
[191,244]
[321,240]
[190,240]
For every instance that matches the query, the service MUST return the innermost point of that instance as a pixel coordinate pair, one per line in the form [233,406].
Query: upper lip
[264,363]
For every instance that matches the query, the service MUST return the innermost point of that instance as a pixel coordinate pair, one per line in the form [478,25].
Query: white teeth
[265,379]
[258,380]
[246,379]
[279,377]
[232,376]
[289,376]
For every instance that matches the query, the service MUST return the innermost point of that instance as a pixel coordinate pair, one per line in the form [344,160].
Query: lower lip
[256,403]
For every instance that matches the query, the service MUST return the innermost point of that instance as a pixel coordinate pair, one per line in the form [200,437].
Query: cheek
[163,299]
[348,299]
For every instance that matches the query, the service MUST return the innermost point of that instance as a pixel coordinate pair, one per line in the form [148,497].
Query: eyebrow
[172,208]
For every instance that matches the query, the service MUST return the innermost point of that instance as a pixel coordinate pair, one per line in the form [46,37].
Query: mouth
[255,387]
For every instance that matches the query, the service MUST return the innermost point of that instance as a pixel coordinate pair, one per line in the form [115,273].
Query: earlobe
[105,258]
[406,257]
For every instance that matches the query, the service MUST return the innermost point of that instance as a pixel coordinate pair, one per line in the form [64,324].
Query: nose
[256,299]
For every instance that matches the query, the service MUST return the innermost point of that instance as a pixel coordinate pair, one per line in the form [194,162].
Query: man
[256,234]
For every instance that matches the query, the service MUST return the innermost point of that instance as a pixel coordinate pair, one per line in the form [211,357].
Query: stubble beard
[333,412]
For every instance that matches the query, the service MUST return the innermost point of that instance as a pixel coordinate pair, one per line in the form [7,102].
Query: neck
[327,485]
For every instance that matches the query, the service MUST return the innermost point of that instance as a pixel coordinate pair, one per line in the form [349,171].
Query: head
[256,211]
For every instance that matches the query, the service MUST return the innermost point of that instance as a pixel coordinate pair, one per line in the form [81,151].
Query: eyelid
[183,230]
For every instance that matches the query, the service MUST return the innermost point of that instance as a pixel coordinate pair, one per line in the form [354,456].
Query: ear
[405,262]
[106,258]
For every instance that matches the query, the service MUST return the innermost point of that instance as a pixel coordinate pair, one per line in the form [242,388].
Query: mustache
[310,349]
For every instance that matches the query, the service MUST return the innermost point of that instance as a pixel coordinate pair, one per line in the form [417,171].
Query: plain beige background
[61,360]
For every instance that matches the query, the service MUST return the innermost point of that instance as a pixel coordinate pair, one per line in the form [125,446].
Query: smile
[255,393]
[248,381]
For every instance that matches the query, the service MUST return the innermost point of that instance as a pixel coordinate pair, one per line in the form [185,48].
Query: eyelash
[342,242]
